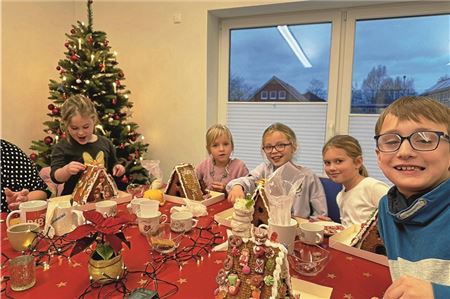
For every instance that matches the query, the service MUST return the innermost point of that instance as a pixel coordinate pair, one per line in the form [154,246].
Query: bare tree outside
[239,89]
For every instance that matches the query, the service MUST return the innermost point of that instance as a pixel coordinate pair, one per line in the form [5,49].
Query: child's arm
[64,173]
[118,170]
[409,287]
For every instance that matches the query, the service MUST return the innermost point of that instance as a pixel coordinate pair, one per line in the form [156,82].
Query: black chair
[331,190]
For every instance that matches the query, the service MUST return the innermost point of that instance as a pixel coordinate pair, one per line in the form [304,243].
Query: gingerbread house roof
[261,213]
[94,185]
[183,182]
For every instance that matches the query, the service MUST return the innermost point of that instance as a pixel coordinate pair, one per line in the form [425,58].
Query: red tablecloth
[349,276]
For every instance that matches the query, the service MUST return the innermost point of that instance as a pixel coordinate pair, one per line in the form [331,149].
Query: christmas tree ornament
[116,117]
[51,106]
[74,57]
[124,179]
[105,43]
[90,40]
[73,31]
[58,68]
[66,45]
[55,111]
[121,74]
[48,140]
[114,101]
[33,157]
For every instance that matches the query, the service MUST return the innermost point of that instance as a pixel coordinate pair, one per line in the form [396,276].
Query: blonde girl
[343,162]
[217,170]
[279,144]
[78,119]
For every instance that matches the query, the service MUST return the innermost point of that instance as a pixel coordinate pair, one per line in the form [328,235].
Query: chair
[331,190]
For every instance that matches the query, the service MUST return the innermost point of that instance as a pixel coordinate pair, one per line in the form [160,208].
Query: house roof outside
[289,88]
[438,87]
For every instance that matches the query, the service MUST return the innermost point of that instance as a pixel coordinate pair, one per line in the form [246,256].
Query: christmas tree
[90,68]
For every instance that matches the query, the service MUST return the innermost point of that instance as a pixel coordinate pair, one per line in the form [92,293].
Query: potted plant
[105,263]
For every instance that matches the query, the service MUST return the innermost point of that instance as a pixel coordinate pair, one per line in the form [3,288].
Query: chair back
[331,190]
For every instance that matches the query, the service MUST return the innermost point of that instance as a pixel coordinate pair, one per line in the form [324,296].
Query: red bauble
[33,157]
[121,146]
[48,140]
[116,117]
[58,67]
[72,31]
[105,43]
[63,135]
[90,1]
[117,82]
[66,45]
[133,138]
[74,57]
[51,106]
[55,111]
[114,101]
[121,75]
[90,40]
[124,179]
[130,157]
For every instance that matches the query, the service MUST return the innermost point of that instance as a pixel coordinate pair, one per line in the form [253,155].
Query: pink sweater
[209,173]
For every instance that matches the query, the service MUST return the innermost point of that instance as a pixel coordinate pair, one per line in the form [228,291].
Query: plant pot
[104,271]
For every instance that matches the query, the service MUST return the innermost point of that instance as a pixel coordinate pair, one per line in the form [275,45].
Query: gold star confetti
[182,280]
[76,264]
[348,296]
[61,284]
[128,237]
[331,275]
[367,274]
[142,282]
[350,258]
[184,263]
[218,262]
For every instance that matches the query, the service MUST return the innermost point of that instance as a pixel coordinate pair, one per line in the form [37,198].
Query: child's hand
[236,192]
[319,218]
[218,186]
[409,287]
[74,167]
[14,199]
[118,170]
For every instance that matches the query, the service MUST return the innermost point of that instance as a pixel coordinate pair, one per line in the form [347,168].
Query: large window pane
[400,56]
[266,62]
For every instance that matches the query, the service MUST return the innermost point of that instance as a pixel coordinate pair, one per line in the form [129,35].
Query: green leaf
[105,251]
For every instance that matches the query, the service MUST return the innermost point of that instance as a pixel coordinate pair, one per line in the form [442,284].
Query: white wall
[165,66]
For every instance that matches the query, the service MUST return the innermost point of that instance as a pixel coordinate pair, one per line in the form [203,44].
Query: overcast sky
[416,47]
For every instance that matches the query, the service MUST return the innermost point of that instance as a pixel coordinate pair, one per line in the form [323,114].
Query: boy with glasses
[412,137]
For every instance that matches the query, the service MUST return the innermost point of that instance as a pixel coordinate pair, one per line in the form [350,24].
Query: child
[343,162]
[78,119]
[279,143]
[20,180]
[412,137]
[216,171]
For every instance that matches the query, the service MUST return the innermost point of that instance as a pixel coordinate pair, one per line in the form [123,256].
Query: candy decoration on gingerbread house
[95,183]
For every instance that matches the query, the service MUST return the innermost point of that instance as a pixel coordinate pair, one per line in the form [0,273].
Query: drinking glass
[22,272]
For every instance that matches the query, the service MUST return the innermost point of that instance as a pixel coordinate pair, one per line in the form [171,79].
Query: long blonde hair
[351,147]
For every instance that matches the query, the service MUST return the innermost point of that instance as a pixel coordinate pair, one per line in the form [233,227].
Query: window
[282,95]
[264,95]
[345,47]
[273,94]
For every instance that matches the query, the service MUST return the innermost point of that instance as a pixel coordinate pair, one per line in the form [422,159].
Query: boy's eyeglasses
[420,141]
[278,147]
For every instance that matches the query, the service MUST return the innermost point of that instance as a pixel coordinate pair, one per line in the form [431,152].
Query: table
[350,276]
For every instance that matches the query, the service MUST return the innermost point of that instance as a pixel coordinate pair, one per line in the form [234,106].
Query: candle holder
[22,271]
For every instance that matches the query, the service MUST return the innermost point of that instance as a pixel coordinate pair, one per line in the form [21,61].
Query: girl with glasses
[343,163]
[279,144]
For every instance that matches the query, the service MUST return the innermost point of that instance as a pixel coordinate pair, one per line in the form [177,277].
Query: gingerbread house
[254,268]
[94,185]
[183,182]
[368,237]
[261,214]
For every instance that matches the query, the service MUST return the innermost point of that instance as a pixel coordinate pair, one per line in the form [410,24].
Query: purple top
[210,173]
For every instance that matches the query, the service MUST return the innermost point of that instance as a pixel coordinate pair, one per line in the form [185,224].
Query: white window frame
[264,95]
[282,94]
[273,95]
[342,44]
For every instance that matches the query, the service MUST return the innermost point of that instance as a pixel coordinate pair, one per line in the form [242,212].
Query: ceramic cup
[311,233]
[30,211]
[106,207]
[143,204]
[66,218]
[182,221]
[286,233]
[149,222]
[22,235]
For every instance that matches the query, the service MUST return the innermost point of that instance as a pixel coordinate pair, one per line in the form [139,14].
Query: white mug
[30,211]
[149,222]
[106,207]
[66,218]
[182,221]
[144,205]
[286,233]
[311,233]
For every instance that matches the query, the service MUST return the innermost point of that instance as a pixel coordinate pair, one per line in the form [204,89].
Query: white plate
[339,227]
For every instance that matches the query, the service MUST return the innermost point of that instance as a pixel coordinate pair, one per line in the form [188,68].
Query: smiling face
[221,149]
[278,158]
[410,170]
[341,168]
[81,129]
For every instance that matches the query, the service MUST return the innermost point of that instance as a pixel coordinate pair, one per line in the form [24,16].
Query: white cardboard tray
[309,290]
[215,197]
[341,241]
[122,197]
[224,217]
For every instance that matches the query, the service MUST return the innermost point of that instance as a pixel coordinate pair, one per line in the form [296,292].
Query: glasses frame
[281,147]
[440,135]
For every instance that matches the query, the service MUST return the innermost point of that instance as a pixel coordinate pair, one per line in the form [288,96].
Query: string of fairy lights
[196,247]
